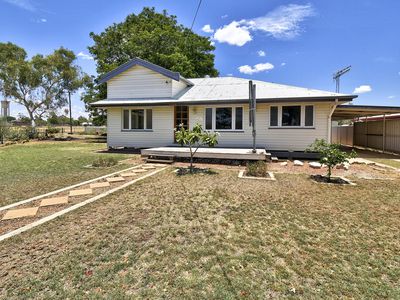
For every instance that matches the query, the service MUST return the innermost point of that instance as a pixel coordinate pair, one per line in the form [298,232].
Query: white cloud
[43,20]
[261,53]
[283,22]
[283,64]
[229,74]
[362,89]
[212,43]
[391,97]
[224,16]
[233,34]
[85,56]
[24,4]
[207,28]
[246,69]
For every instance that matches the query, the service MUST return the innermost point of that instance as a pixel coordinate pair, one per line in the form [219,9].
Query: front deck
[212,153]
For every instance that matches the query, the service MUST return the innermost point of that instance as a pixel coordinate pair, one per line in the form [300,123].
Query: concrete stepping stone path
[20,213]
[115,179]
[54,201]
[81,192]
[99,185]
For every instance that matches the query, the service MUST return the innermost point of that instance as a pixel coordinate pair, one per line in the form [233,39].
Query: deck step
[162,161]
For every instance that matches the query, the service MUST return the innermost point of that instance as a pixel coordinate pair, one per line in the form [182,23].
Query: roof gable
[141,62]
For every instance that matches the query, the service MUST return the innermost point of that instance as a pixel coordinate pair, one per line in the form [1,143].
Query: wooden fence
[381,135]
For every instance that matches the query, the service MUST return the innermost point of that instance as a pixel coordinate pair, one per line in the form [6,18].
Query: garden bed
[269,176]
[333,180]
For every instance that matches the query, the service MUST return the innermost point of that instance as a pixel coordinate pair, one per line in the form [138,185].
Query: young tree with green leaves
[41,83]
[156,37]
[331,155]
[194,139]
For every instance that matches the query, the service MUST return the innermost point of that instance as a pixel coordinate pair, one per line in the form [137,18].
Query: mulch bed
[324,179]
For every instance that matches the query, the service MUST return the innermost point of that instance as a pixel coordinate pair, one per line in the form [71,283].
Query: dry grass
[35,168]
[215,236]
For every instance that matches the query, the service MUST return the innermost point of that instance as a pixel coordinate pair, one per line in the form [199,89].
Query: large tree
[41,83]
[156,37]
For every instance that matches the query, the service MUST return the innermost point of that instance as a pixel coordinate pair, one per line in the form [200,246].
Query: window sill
[229,130]
[291,127]
[137,130]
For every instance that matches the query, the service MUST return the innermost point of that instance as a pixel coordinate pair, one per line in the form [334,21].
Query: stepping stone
[54,201]
[20,213]
[81,192]
[128,174]
[139,170]
[99,184]
[115,179]
[274,159]
[148,167]
[284,164]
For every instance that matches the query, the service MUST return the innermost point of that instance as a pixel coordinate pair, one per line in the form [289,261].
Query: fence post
[384,134]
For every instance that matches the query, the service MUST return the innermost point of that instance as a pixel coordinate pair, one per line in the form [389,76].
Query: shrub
[104,162]
[52,130]
[256,169]
[331,155]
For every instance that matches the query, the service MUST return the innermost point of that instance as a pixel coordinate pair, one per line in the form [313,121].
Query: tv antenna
[337,75]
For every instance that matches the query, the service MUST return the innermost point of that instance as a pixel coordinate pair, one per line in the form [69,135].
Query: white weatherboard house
[145,102]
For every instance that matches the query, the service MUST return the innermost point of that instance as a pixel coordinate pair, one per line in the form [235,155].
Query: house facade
[145,102]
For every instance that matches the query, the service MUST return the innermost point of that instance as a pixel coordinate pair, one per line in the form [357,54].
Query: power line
[195,15]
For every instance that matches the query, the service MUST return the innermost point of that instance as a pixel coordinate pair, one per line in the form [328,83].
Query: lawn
[35,168]
[215,237]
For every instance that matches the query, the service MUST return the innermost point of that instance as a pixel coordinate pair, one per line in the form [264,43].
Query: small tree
[331,155]
[194,139]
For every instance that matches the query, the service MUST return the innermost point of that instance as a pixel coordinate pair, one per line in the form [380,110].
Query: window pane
[125,121]
[291,115]
[223,118]
[273,118]
[309,119]
[137,119]
[149,119]
[208,118]
[239,118]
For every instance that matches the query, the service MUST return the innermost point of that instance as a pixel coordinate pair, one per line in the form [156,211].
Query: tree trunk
[191,160]
[31,116]
[329,173]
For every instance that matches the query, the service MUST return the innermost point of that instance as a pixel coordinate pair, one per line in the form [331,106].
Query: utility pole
[70,112]
[337,75]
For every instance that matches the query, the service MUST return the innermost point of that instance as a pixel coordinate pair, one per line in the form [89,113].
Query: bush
[104,162]
[256,169]
[52,130]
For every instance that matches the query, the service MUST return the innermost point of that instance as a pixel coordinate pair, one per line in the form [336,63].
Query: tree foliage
[156,37]
[331,155]
[39,84]
[194,139]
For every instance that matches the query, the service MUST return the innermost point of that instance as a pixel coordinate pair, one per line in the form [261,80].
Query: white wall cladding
[161,135]
[139,82]
[294,139]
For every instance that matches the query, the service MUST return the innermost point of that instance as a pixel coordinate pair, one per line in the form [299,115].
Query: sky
[299,43]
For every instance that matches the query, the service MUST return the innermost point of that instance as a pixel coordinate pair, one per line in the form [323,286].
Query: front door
[181,117]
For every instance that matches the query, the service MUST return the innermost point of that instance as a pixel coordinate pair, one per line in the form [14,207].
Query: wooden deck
[217,153]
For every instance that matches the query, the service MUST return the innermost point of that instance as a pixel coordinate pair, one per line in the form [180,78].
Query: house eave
[166,102]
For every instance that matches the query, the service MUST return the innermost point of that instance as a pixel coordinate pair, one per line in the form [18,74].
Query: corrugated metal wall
[369,134]
[342,135]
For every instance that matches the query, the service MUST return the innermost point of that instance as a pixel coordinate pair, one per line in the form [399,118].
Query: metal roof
[233,90]
[144,63]
[347,112]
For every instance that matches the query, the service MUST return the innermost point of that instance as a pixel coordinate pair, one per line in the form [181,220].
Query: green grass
[215,237]
[31,169]
[387,161]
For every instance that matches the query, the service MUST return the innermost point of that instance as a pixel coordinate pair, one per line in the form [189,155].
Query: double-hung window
[291,115]
[224,118]
[137,119]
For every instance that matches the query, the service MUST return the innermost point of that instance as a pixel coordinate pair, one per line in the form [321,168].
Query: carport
[375,127]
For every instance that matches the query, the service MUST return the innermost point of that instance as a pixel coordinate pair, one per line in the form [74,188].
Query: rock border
[349,182]
[270,178]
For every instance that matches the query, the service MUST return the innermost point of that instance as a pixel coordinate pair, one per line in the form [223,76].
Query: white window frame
[130,119]
[302,116]
[214,118]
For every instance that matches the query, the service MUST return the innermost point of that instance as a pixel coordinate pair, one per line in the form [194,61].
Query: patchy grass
[31,169]
[387,161]
[215,237]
